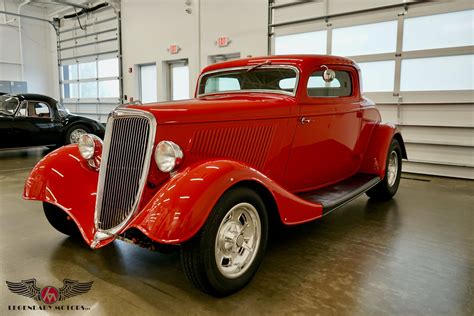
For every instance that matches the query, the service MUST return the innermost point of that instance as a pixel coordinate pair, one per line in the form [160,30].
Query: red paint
[231,138]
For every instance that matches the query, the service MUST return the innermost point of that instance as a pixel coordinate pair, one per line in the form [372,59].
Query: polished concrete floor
[413,255]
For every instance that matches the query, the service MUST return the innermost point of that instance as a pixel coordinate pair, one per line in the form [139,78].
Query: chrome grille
[125,163]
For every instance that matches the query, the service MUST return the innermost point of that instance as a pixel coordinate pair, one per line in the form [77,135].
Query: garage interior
[411,255]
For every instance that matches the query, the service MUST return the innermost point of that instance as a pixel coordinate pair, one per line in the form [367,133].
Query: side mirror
[328,74]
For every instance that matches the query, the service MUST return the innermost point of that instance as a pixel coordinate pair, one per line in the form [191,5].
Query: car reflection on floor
[21,158]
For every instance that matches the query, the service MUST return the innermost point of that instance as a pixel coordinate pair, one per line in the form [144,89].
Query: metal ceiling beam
[52,23]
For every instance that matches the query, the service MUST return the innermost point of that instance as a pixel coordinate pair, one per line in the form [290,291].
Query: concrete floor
[410,256]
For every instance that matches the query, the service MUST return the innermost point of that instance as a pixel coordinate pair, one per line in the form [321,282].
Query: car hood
[221,107]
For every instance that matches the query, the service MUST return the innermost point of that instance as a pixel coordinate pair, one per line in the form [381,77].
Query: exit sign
[173,49]
[223,41]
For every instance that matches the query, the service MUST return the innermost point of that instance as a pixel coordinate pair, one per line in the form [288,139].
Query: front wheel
[227,252]
[387,188]
[60,220]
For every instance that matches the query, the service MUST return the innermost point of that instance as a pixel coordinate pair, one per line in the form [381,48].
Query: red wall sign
[223,41]
[173,49]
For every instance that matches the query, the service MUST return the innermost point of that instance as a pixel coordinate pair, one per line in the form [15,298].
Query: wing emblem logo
[49,294]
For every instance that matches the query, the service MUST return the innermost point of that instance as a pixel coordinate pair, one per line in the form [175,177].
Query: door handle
[304,121]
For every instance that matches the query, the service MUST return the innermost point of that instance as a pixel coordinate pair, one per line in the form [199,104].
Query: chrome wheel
[392,168]
[75,135]
[238,240]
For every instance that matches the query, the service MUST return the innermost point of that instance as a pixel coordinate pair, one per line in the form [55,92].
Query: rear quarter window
[341,86]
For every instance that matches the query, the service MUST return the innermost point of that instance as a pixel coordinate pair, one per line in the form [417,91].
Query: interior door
[327,132]
[34,125]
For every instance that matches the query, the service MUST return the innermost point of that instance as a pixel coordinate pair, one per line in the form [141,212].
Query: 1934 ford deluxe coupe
[284,138]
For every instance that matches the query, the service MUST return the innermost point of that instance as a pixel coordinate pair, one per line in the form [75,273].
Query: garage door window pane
[70,90]
[70,72]
[375,38]
[88,90]
[88,70]
[108,68]
[303,43]
[109,89]
[438,73]
[378,76]
[438,31]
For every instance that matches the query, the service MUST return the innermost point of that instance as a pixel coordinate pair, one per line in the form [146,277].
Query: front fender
[180,208]
[63,178]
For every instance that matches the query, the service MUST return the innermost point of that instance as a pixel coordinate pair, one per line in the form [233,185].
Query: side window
[38,109]
[341,86]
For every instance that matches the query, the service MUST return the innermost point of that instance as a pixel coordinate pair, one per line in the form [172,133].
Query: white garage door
[417,64]
[89,61]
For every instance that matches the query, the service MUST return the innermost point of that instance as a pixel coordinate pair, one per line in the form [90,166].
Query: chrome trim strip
[123,112]
[295,89]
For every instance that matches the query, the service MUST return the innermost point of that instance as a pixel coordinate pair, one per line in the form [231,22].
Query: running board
[338,194]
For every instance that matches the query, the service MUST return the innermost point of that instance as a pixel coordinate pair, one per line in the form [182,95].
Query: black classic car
[38,120]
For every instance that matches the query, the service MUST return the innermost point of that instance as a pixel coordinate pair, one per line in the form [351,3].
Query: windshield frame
[17,105]
[271,66]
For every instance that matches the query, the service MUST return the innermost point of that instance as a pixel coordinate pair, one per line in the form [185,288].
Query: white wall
[37,50]
[149,27]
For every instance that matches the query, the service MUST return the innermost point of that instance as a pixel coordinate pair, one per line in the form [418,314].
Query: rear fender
[375,157]
[63,178]
[181,207]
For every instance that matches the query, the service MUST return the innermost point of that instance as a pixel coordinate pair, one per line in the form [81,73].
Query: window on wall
[179,73]
[91,80]
[378,76]
[303,43]
[452,29]
[375,38]
[148,85]
[438,73]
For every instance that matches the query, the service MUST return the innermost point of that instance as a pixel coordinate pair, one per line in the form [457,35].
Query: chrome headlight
[168,156]
[90,148]
[86,146]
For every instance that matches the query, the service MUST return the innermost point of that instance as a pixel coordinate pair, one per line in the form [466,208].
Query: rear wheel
[60,220]
[227,252]
[387,188]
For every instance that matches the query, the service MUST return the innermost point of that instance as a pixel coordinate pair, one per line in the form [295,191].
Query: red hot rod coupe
[289,138]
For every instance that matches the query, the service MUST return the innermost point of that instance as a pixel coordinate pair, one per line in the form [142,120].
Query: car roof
[300,61]
[34,97]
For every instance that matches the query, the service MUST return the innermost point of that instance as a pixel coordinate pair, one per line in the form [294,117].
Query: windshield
[8,104]
[265,78]
[62,111]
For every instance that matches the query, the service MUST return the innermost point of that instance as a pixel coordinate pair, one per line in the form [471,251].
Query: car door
[8,107]
[34,124]
[327,131]
[6,126]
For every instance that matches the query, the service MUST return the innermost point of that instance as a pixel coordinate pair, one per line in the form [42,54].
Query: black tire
[385,190]
[198,256]
[67,138]
[60,220]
